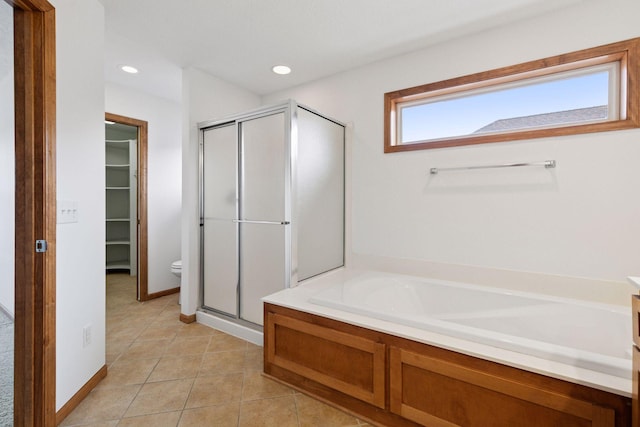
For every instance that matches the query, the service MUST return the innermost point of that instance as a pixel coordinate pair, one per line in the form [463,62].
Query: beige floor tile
[174,298]
[189,346]
[146,314]
[196,330]
[122,318]
[219,416]
[215,390]
[109,358]
[251,346]
[159,333]
[112,423]
[313,413]
[257,386]
[117,345]
[124,321]
[159,397]
[224,342]
[168,321]
[167,419]
[117,309]
[127,372]
[278,412]
[172,307]
[169,316]
[102,405]
[156,303]
[146,349]
[119,299]
[222,363]
[173,368]
[125,331]
[115,294]
[254,360]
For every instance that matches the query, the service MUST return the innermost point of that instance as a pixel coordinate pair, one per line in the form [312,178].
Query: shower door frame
[290,139]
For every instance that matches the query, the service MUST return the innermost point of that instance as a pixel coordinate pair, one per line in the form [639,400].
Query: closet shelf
[120,212]
[118,242]
[118,265]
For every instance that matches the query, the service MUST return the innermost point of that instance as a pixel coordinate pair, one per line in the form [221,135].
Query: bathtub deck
[395,381]
[298,299]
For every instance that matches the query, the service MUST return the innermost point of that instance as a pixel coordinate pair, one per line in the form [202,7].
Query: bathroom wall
[7,161]
[204,97]
[577,221]
[80,290]
[164,176]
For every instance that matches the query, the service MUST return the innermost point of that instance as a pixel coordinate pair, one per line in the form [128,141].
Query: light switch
[67,211]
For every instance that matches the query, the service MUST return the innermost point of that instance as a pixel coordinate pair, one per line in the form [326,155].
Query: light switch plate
[67,211]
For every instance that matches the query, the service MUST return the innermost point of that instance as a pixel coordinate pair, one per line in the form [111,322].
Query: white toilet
[176,268]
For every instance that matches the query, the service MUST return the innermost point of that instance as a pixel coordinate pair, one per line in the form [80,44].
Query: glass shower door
[219,222]
[264,218]
[245,217]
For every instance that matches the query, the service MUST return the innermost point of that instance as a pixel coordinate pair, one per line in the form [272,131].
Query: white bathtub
[591,336]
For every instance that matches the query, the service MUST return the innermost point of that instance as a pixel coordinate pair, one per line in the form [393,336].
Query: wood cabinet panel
[347,363]
[635,315]
[439,393]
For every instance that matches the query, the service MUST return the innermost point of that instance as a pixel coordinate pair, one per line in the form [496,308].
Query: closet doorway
[126,200]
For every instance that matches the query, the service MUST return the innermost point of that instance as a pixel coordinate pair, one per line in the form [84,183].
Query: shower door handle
[246,221]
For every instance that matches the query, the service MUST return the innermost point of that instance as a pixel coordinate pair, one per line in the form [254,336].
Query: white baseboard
[239,331]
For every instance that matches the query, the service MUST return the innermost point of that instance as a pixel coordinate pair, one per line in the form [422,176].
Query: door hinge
[41,246]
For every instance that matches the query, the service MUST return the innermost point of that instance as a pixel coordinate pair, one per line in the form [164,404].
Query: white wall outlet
[86,335]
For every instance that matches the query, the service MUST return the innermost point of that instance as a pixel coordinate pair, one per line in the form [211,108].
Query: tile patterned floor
[164,373]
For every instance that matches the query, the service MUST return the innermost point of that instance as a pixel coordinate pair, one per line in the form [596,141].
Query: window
[581,92]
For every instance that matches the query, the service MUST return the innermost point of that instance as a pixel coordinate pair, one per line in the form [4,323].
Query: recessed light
[129,69]
[281,69]
[109,122]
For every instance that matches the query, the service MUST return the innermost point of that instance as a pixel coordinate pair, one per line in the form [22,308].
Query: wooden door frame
[35,208]
[142,251]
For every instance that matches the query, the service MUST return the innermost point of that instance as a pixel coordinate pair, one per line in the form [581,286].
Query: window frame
[626,53]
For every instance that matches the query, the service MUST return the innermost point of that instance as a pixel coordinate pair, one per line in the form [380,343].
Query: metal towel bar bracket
[548,164]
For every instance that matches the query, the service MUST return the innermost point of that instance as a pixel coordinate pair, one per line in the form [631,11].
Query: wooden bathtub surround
[351,364]
[398,382]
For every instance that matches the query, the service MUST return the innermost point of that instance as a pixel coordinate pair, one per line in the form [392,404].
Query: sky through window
[465,115]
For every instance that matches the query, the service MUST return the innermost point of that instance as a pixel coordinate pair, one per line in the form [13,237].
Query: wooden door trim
[143,260]
[35,207]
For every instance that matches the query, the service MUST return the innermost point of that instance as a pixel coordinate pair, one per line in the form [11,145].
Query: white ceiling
[240,40]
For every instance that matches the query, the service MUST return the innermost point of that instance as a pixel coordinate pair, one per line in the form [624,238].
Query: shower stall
[271,206]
